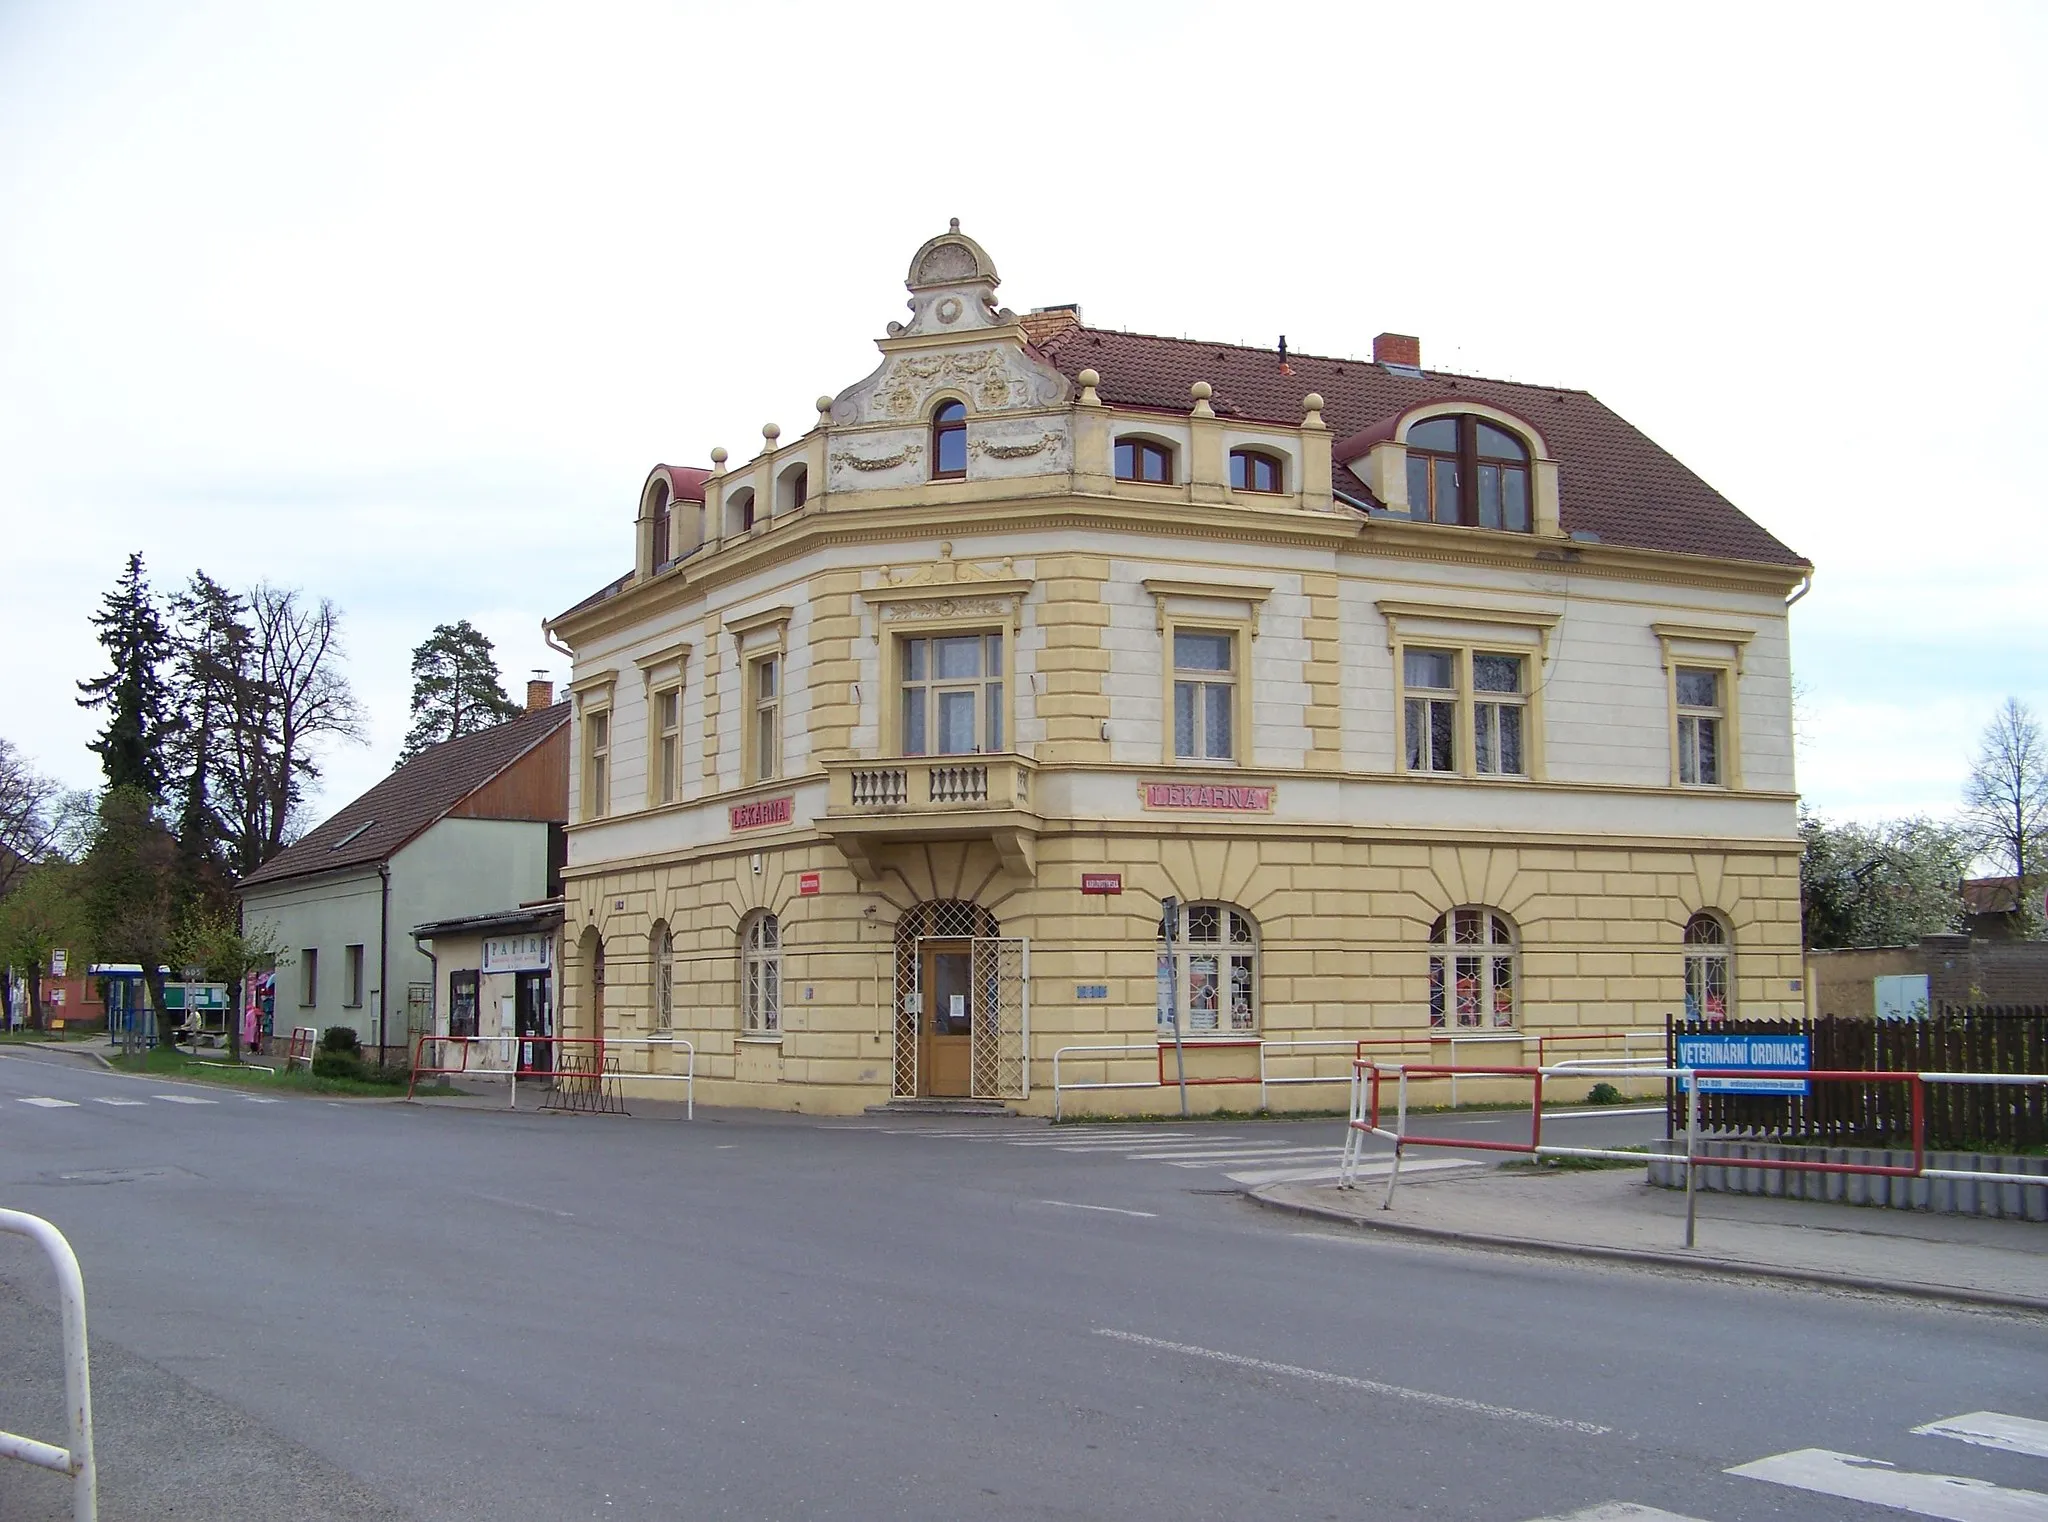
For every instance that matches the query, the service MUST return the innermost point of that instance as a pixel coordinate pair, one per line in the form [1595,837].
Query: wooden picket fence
[1960,1118]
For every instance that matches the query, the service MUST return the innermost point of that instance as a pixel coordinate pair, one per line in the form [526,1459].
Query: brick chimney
[1049,322]
[540,693]
[1397,349]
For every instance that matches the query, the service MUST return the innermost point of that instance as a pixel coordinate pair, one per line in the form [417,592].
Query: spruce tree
[211,666]
[456,690]
[139,723]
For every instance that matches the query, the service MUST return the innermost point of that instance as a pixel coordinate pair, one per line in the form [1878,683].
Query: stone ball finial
[1312,410]
[771,432]
[1089,380]
[718,457]
[1201,391]
[824,404]
[1090,377]
[953,226]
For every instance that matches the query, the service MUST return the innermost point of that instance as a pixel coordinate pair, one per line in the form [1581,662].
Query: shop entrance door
[534,1015]
[948,1024]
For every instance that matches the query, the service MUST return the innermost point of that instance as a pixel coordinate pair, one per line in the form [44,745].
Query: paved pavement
[462,1313]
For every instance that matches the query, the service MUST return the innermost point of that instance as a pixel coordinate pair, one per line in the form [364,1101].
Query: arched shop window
[760,975]
[1472,971]
[1209,971]
[1706,968]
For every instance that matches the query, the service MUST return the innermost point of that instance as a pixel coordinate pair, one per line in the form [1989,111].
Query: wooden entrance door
[946,1028]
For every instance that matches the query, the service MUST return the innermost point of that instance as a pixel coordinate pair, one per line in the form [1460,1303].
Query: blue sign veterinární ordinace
[1733,1051]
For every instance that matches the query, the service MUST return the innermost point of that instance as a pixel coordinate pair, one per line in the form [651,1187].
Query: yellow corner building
[1447,713]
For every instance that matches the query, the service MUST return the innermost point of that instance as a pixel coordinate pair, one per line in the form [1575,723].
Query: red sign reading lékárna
[1230,797]
[759,815]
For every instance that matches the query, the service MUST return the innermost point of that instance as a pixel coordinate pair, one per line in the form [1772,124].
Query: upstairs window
[1254,470]
[793,489]
[1499,705]
[1700,726]
[740,511]
[764,681]
[658,511]
[597,763]
[1204,694]
[1144,460]
[1429,684]
[953,695]
[949,442]
[668,745]
[1468,471]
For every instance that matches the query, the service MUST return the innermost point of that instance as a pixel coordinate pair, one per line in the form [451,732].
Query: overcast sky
[398,302]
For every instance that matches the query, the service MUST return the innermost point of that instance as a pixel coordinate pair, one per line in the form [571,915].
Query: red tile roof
[1613,481]
[374,826]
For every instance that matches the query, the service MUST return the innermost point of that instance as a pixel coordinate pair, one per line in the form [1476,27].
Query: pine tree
[139,724]
[212,645]
[456,690]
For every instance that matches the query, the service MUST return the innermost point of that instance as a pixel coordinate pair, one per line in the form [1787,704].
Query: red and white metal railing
[1369,1075]
[520,1054]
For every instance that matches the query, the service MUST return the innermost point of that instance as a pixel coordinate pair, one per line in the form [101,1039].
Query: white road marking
[1601,1114]
[52,1104]
[1994,1429]
[1117,1143]
[498,1199]
[184,1099]
[1372,1386]
[1620,1511]
[256,1099]
[725,1147]
[120,1101]
[1332,1155]
[1953,1498]
[1249,1149]
[1149,1215]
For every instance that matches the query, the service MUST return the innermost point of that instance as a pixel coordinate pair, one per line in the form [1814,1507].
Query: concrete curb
[1735,1267]
[68,1049]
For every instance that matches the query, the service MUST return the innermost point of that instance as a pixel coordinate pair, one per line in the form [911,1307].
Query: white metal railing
[75,1460]
[1279,1048]
[503,1059]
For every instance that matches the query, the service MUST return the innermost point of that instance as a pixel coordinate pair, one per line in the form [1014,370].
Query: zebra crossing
[48,1102]
[1240,1156]
[1879,1483]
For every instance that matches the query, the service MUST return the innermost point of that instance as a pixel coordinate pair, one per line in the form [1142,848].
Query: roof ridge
[1292,355]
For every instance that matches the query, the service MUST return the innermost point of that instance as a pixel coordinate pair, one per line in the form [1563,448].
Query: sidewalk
[1616,1215]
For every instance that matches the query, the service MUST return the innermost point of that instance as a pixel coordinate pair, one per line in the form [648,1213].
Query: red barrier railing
[1368,1078]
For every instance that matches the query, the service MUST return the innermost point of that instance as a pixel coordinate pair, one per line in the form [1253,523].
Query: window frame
[1239,635]
[595,801]
[1249,453]
[471,979]
[1468,461]
[900,685]
[1144,445]
[1181,972]
[756,768]
[760,969]
[944,427]
[309,977]
[352,978]
[1467,699]
[1719,716]
[1445,979]
[660,515]
[664,746]
[661,980]
[1700,957]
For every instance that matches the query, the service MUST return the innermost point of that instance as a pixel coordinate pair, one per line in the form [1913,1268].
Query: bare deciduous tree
[29,816]
[293,697]
[2005,801]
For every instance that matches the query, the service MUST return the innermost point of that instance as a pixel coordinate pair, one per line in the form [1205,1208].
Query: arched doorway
[959,1004]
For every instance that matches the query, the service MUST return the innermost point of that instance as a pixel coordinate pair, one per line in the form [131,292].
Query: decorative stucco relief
[948,607]
[991,378]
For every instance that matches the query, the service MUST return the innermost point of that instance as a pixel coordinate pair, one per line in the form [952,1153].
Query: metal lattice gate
[998,972]
[1001,1018]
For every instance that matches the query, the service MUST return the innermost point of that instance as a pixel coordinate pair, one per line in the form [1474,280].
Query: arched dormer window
[740,511]
[1470,471]
[1145,460]
[658,511]
[1256,470]
[949,442]
[792,489]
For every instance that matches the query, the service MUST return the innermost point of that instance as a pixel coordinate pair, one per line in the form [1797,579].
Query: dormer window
[1144,460]
[949,442]
[1254,470]
[1469,471]
[742,510]
[658,511]
[793,489]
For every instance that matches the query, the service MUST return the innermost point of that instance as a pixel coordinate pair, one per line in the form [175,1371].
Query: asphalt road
[315,1309]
